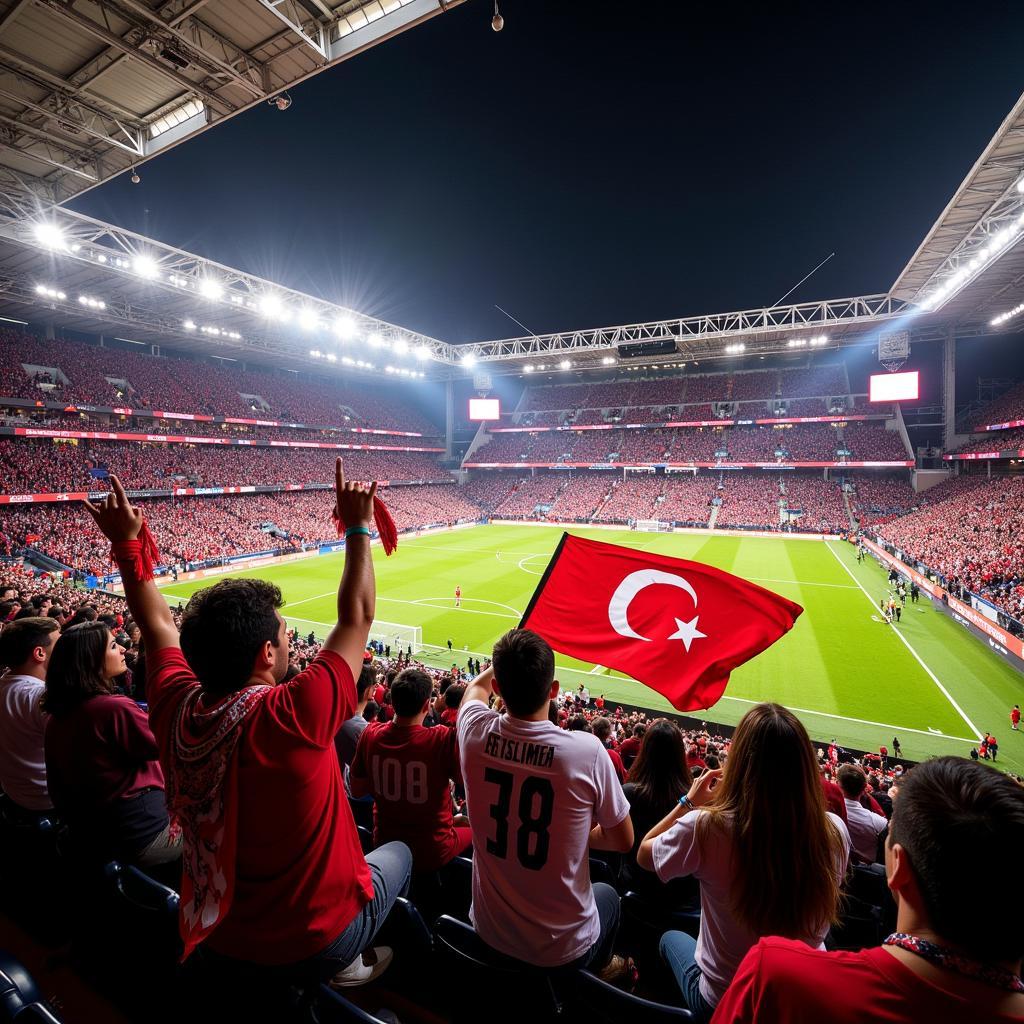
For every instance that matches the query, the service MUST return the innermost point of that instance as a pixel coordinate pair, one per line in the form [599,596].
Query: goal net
[397,635]
[652,526]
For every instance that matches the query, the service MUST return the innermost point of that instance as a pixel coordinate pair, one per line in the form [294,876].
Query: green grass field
[843,671]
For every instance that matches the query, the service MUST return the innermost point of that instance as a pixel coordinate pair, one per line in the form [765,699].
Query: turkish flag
[679,627]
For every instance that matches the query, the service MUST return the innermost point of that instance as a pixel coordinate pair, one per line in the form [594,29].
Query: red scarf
[386,529]
[202,790]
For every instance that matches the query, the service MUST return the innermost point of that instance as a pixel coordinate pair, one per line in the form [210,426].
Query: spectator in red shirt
[273,871]
[630,747]
[407,769]
[603,731]
[452,699]
[940,965]
[101,757]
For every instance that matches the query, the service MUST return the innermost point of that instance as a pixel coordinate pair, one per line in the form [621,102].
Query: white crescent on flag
[618,606]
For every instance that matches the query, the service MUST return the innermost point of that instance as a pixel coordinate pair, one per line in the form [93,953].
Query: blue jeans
[391,868]
[609,910]
[679,951]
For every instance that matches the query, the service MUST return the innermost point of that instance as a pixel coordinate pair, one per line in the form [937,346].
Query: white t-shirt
[534,792]
[22,725]
[865,827]
[723,941]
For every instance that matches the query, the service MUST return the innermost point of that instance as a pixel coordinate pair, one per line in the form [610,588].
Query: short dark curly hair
[223,628]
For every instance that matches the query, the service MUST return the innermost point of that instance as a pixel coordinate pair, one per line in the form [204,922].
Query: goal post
[652,526]
[397,635]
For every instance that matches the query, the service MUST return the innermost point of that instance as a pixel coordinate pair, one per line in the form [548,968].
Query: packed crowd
[879,498]
[88,374]
[37,465]
[779,881]
[1009,406]
[994,441]
[802,442]
[969,532]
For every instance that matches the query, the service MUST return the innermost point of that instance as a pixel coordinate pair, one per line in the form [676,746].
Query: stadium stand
[77,373]
[993,441]
[1008,407]
[969,532]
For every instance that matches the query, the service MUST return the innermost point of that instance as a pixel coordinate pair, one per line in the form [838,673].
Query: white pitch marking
[934,678]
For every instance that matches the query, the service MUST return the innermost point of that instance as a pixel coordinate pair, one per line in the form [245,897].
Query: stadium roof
[89,89]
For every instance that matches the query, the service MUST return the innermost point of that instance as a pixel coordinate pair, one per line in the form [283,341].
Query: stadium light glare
[735,349]
[468,360]
[270,306]
[49,292]
[211,288]
[345,327]
[88,300]
[308,319]
[422,352]
[1020,183]
[401,346]
[1008,315]
[565,364]
[49,235]
[145,266]
[189,325]
[376,340]
[608,361]
[528,368]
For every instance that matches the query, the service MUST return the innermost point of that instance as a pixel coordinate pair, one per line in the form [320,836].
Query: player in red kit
[1015,718]
[458,597]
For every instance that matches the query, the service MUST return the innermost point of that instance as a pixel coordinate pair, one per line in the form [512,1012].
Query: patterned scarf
[202,790]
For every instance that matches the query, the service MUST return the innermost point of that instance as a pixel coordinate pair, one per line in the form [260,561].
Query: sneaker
[621,972]
[364,969]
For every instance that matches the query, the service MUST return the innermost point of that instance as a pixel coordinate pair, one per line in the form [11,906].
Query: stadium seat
[643,924]
[532,992]
[365,838]
[606,1003]
[20,999]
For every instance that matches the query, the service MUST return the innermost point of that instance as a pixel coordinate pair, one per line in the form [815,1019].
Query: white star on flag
[688,632]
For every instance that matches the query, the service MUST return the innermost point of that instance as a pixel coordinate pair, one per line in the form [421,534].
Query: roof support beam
[12,15]
[289,13]
[214,64]
[7,147]
[67,12]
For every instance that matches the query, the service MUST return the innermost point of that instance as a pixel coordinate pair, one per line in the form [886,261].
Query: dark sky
[598,163]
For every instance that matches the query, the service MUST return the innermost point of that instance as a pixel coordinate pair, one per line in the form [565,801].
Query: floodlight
[210,288]
[189,325]
[401,346]
[565,364]
[528,368]
[468,360]
[308,319]
[376,340]
[49,234]
[269,305]
[422,352]
[145,266]
[345,327]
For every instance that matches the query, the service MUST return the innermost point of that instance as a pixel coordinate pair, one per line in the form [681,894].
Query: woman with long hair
[101,757]
[658,776]
[769,857]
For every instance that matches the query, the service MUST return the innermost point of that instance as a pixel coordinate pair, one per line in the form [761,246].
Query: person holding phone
[769,857]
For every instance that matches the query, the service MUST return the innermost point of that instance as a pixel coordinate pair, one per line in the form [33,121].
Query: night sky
[598,163]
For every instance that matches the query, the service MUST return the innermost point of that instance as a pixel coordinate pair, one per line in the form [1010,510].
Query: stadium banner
[1000,640]
[103,435]
[1010,453]
[685,423]
[116,410]
[1001,426]
[847,464]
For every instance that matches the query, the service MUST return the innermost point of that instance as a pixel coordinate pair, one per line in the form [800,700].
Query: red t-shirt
[407,769]
[834,799]
[301,876]
[449,717]
[620,768]
[1015,716]
[785,982]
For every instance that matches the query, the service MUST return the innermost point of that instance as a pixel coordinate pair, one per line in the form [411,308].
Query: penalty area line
[931,675]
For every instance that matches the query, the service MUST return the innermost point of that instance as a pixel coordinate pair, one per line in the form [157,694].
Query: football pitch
[843,671]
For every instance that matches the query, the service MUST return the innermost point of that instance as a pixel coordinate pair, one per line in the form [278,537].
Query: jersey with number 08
[534,792]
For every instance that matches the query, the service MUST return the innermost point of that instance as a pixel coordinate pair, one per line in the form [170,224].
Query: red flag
[679,627]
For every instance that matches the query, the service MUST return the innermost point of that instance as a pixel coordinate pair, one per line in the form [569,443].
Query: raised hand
[115,515]
[353,500]
[703,789]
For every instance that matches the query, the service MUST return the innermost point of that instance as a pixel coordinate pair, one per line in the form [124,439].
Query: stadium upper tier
[819,443]
[755,385]
[29,466]
[1008,408]
[75,373]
